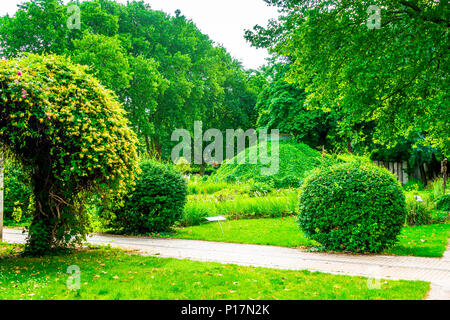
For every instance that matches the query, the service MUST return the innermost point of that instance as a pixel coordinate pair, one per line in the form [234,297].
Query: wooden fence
[397,168]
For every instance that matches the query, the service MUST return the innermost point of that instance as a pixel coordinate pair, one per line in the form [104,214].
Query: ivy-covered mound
[296,160]
[156,202]
[355,206]
[72,134]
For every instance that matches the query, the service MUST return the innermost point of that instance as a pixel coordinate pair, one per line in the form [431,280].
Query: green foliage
[250,188]
[206,187]
[395,75]
[183,165]
[231,178]
[435,189]
[72,134]
[155,204]
[289,181]
[356,207]
[259,207]
[45,20]
[281,105]
[107,59]
[414,184]
[443,203]
[260,189]
[164,70]
[18,200]
[195,213]
[295,161]
[340,158]
[239,206]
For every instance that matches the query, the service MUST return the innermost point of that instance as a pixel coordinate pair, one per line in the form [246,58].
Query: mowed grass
[282,232]
[115,275]
[421,241]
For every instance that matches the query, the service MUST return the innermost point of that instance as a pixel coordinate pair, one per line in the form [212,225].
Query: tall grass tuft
[239,207]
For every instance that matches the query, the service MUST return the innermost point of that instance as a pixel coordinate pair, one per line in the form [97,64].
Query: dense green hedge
[354,206]
[156,203]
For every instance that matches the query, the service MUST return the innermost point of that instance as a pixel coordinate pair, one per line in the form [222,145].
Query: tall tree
[191,76]
[281,105]
[106,57]
[395,75]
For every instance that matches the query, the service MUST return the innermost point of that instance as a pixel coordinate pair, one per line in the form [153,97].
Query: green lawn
[113,274]
[422,241]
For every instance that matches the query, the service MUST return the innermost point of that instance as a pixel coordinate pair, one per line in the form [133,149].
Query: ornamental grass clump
[354,206]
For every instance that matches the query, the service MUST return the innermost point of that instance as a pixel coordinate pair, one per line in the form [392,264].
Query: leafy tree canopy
[281,105]
[164,70]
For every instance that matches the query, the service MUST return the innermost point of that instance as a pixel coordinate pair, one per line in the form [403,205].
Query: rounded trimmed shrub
[353,206]
[156,203]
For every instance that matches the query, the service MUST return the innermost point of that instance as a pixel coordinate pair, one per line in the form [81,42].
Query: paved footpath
[433,270]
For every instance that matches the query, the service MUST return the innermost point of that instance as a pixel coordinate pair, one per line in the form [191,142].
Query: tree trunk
[423,174]
[202,169]
[41,235]
[147,144]
[349,146]
[157,147]
[435,167]
[444,174]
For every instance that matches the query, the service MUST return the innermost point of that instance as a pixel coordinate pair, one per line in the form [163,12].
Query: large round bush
[353,206]
[156,203]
